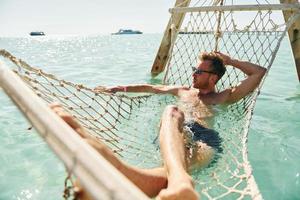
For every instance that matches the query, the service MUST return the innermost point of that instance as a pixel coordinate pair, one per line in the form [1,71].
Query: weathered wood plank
[294,35]
[162,54]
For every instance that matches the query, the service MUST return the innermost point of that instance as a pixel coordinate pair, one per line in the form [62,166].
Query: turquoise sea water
[29,170]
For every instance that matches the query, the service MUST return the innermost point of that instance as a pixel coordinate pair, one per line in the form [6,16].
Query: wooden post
[218,32]
[162,54]
[294,35]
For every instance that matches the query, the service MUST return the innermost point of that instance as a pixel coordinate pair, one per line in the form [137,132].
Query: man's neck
[206,91]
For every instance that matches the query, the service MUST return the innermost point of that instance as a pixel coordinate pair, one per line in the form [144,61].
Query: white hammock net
[125,123]
[253,35]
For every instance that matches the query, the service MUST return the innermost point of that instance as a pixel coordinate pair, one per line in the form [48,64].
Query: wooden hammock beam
[294,35]
[224,8]
[96,174]
[162,55]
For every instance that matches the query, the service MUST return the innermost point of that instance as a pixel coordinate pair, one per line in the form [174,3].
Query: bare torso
[193,107]
[196,110]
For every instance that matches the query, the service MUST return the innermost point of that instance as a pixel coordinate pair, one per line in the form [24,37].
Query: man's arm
[147,88]
[254,75]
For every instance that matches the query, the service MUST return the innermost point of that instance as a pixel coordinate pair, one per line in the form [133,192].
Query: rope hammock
[122,121]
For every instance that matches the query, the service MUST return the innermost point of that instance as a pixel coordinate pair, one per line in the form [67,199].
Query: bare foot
[179,190]
[73,123]
[176,119]
[70,120]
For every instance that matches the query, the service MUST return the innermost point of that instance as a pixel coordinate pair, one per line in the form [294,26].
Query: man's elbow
[262,71]
[258,76]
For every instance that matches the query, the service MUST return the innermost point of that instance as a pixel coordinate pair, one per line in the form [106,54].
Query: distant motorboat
[37,33]
[127,31]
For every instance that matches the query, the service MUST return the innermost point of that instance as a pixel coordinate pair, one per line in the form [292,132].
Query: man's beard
[203,85]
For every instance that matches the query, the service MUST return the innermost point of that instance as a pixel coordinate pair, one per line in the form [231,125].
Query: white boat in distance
[37,33]
[127,32]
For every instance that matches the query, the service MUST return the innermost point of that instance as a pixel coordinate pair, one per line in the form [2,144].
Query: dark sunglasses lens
[196,71]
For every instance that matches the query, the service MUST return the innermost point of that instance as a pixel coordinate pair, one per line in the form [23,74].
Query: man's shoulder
[184,90]
[222,96]
[176,87]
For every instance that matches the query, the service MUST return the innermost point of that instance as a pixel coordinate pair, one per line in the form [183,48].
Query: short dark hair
[217,63]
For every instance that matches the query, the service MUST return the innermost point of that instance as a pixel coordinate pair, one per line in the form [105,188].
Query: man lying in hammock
[181,149]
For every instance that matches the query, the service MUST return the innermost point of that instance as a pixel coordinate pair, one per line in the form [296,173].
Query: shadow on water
[296,96]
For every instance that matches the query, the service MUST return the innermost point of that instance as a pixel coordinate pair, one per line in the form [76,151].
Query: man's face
[201,80]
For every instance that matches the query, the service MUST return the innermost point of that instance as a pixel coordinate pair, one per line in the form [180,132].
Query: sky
[85,17]
[19,17]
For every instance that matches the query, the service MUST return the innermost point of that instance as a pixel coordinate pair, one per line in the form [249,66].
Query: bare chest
[194,108]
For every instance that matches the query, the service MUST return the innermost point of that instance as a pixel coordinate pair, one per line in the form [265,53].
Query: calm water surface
[29,170]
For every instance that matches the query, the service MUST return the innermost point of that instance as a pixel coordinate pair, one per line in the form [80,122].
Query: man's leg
[150,181]
[180,184]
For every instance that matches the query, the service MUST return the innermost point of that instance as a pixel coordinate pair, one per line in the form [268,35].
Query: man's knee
[173,112]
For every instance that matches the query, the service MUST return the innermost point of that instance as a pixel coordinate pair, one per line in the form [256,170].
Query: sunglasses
[200,71]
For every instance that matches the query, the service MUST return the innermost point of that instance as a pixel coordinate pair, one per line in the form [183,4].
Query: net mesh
[254,36]
[106,116]
[122,121]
